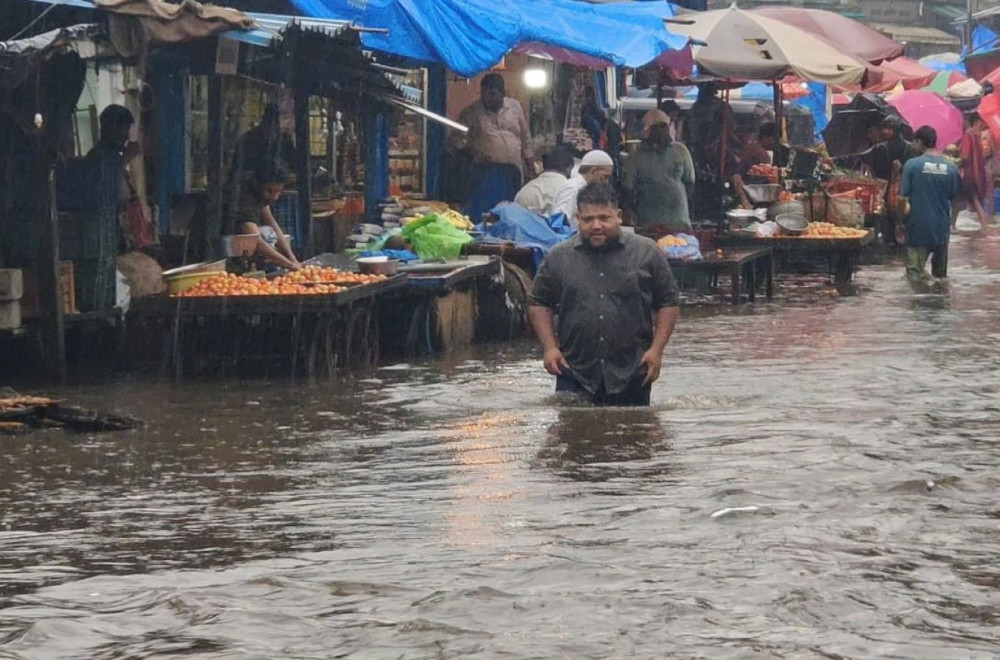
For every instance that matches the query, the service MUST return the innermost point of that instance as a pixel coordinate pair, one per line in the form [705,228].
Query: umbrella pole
[779,119]
[723,145]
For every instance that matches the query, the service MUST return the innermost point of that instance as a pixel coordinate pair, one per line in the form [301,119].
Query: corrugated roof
[915,34]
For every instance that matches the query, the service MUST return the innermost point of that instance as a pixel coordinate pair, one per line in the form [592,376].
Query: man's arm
[541,304]
[687,177]
[282,244]
[461,142]
[543,321]
[666,301]
[906,181]
[527,147]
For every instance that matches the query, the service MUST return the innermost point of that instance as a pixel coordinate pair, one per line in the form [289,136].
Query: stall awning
[913,34]
[327,55]
[49,40]
[471,36]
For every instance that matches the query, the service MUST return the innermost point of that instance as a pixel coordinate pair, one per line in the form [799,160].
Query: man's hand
[554,361]
[132,149]
[653,361]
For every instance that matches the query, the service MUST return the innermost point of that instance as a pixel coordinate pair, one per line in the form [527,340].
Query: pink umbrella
[920,108]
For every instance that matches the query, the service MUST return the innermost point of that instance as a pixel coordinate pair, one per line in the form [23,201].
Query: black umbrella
[848,130]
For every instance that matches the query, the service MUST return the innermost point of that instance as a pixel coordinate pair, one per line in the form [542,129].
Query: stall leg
[844,272]
[769,277]
[735,278]
[752,281]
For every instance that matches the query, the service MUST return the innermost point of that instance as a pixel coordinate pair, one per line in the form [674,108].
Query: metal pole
[968,26]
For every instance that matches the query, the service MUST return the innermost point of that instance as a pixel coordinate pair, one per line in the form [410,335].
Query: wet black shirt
[605,300]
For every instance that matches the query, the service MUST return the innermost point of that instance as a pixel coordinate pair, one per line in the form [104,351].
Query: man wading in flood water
[616,302]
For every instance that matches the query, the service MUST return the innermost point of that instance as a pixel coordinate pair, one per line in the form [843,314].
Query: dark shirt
[605,300]
[930,182]
[884,154]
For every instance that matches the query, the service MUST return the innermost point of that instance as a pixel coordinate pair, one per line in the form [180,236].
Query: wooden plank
[797,244]
[53,327]
[303,173]
[216,123]
[445,282]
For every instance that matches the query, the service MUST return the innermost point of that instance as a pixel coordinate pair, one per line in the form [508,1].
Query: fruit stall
[316,321]
[838,247]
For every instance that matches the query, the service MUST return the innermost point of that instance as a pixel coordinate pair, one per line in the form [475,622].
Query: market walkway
[454,509]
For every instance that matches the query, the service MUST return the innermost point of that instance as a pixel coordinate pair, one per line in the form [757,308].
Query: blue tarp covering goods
[471,36]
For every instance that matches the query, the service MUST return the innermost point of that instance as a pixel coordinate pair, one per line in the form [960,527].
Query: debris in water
[736,509]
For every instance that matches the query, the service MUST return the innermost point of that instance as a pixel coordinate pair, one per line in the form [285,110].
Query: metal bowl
[240,245]
[378,266]
[762,193]
[793,207]
[792,223]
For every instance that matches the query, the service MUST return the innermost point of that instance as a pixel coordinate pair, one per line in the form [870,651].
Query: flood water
[456,508]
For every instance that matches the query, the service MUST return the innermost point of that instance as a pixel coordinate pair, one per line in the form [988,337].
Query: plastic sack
[689,252]
[434,237]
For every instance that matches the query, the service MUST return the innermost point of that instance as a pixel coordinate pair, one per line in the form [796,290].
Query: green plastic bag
[433,237]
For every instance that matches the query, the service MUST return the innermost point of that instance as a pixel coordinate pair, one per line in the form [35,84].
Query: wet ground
[455,508]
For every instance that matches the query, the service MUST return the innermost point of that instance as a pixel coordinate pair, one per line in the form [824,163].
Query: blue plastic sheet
[471,36]
[526,229]
[984,39]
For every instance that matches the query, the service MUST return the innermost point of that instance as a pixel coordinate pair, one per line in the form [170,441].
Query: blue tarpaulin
[526,229]
[984,39]
[471,36]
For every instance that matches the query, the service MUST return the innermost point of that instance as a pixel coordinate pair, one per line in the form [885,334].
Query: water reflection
[598,444]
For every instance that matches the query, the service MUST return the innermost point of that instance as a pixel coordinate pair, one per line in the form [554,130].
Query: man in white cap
[596,167]
[656,179]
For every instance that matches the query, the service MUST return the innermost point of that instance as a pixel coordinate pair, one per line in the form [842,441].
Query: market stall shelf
[840,254]
[747,270]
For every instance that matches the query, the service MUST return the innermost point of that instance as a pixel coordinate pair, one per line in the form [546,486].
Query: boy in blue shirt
[930,182]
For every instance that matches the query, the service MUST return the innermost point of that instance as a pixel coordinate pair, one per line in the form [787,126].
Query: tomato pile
[311,280]
[763,170]
[320,275]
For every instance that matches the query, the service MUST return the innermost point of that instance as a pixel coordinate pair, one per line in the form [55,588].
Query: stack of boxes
[11,291]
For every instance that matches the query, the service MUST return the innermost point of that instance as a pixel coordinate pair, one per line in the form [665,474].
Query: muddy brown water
[455,508]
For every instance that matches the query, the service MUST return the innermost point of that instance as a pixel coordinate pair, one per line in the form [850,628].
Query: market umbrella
[849,36]
[847,132]
[989,110]
[943,81]
[736,44]
[911,73]
[922,108]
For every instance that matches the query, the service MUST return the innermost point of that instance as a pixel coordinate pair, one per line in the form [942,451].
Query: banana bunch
[457,219]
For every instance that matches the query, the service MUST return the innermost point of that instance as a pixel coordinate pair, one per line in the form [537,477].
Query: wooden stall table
[841,253]
[320,332]
[522,257]
[746,267]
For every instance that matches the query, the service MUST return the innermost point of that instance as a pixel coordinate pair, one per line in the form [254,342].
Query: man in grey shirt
[616,302]
[657,178]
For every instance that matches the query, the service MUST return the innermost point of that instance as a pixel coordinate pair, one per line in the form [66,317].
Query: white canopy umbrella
[736,44]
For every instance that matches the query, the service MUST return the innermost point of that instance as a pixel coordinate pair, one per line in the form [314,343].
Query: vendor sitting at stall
[253,215]
[767,150]
[596,167]
[539,194]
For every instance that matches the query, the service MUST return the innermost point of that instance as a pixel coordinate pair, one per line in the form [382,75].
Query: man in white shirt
[539,194]
[596,167]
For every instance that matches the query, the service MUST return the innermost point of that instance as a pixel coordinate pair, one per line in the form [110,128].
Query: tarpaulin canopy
[471,36]
[749,46]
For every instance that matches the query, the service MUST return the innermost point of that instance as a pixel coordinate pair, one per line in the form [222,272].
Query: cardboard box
[31,302]
[10,315]
[11,284]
